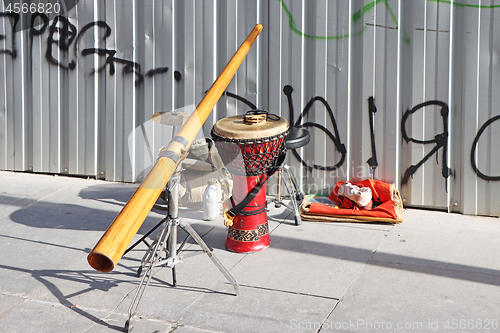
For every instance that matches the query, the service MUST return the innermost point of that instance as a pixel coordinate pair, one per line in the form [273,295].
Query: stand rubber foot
[139,271]
[128,326]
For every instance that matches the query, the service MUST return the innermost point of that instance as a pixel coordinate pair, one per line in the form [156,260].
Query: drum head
[251,146]
[236,128]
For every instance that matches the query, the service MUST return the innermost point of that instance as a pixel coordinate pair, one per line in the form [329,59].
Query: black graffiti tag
[128,65]
[35,30]
[372,109]
[440,140]
[339,146]
[61,33]
[241,99]
[14,18]
[473,150]
[287,90]
[27,10]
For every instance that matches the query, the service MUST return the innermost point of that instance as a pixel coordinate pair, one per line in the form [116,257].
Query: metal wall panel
[401,90]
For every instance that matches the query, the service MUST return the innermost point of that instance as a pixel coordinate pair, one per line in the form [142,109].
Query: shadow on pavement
[77,217]
[103,284]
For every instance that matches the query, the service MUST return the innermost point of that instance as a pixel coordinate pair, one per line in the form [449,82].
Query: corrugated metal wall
[405,90]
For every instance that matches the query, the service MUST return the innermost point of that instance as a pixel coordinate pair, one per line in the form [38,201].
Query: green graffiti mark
[358,15]
[366,8]
[465,5]
[291,22]
[355,18]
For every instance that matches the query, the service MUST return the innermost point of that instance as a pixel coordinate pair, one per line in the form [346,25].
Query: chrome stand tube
[166,241]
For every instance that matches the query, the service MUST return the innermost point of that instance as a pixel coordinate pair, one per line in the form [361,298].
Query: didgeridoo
[113,243]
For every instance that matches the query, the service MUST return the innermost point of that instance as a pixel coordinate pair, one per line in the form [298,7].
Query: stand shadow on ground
[54,215]
[84,218]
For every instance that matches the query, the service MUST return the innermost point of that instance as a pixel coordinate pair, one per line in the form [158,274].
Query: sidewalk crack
[364,265]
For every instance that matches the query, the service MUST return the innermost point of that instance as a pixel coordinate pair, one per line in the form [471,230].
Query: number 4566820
[25,8]
[471,324]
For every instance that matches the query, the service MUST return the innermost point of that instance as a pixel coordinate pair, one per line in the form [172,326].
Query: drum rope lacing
[230,214]
[255,164]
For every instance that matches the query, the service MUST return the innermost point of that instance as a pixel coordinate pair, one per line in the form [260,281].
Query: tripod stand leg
[187,227]
[292,189]
[277,199]
[150,260]
[143,238]
[174,277]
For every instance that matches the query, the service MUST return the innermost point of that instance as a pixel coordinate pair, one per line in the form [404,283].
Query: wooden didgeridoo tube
[110,248]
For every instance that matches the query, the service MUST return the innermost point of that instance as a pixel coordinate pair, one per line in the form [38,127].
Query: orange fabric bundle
[387,205]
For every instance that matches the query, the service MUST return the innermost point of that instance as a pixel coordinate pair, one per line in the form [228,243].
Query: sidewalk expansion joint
[327,316]
[194,327]
[289,292]
[365,264]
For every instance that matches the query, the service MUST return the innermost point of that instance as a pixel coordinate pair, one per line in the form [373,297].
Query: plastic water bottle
[212,198]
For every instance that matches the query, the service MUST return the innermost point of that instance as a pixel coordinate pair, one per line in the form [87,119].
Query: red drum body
[249,150]
[250,231]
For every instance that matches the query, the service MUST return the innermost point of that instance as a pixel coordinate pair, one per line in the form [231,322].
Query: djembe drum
[250,146]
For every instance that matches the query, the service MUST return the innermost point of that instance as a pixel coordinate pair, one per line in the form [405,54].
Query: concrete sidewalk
[434,272]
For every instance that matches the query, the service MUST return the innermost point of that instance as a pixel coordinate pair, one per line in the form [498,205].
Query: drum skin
[235,127]
[249,149]
[249,233]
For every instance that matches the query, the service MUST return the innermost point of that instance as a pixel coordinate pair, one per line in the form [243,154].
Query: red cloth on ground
[381,193]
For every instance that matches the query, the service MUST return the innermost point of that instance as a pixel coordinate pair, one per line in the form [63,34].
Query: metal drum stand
[166,241]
